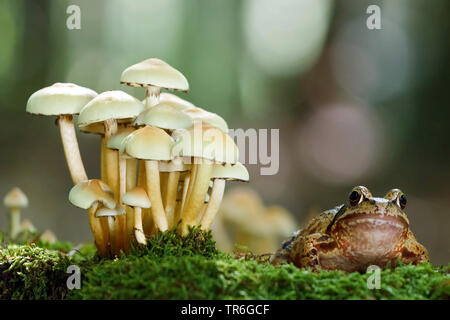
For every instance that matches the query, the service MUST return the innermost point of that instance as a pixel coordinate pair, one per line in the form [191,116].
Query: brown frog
[366,231]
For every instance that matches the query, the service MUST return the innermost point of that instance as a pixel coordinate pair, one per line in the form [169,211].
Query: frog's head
[370,225]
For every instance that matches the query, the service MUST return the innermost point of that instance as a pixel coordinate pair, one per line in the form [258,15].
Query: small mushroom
[64,100]
[15,201]
[112,214]
[48,236]
[27,226]
[138,199]
[220,174]
[88,195]
[152,145]
[154,74]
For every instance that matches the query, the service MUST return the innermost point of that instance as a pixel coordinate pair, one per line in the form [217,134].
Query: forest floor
[170,267]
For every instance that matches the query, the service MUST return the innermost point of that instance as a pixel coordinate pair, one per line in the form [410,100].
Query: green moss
[170,268]
[32,272]
[27,271]
[171,243]
[222,277]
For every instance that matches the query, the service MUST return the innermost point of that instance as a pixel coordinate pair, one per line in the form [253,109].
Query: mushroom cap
[116,140]
[48,236]
[175,100]
[27,225]
[148,143]
[165,115]
[136,197]
[110,212]
[99,127]
[59,99]
[96,128]
[227,171]
[242,207]
[15,199]
[113,104]
[206,142]
[210,118]
[86,193]
[174,165]
[281,220]
[154,72]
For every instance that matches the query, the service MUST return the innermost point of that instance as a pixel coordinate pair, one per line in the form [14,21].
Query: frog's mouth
[373,221]
[370,235]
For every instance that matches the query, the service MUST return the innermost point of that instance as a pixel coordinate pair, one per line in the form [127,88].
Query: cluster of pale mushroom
[164,161]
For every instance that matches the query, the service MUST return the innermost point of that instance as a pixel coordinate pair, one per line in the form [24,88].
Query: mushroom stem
[146,213]
[138,230]
[177,213]
[196,199]
[123,231]
[154,193]
[122,177]
[14,222]
[112,223]
[131,173]
[163,180]
[130,184]
[71,149]
[213,205]
[142,176]
[102,160]
[152,96]
[187,180]
[111,158]
[171,196]
[112,176]
[104,178]
[191,182]
[95,223]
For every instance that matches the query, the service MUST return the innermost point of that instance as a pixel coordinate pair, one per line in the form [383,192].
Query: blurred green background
[354,106]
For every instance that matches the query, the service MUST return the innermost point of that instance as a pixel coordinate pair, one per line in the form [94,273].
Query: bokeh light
[372,66]
[339,143]
[285,38]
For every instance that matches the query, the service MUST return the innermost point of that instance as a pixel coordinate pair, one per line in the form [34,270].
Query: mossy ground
[169,268]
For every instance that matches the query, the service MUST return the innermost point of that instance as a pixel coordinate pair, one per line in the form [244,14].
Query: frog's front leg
[315,250]
[412,251]
[283,254]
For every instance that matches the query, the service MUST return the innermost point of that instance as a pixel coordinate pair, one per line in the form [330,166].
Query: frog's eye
[402,201]
[354,197]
